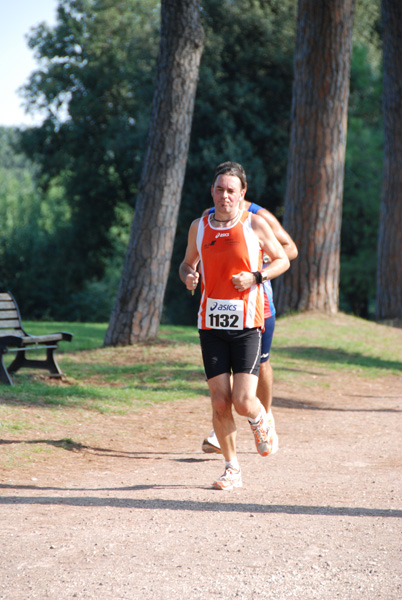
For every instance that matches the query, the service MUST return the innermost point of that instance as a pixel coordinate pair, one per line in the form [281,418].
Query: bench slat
[8,314]
[5,296]
[16,332]
[7,305]
[10,323]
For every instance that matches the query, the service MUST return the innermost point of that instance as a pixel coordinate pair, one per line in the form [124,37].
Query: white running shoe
[210,445]
[264,437]
[229,480]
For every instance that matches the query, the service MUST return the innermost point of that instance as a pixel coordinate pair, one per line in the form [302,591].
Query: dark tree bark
[138,306]
[313,201]
[389,266]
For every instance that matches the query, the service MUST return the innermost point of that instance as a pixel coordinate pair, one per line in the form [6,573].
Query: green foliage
[244,96]
[66,215]
[367,30]
[95,85]
[35,238]
[30,224]
[362,188]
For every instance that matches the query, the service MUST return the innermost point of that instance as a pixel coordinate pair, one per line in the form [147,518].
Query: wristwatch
[260,276]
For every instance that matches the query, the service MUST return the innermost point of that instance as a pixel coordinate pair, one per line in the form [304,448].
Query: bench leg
[18,362]
[4,376]
[50,363]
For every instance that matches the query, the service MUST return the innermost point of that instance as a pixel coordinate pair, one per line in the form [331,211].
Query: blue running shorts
[267,336]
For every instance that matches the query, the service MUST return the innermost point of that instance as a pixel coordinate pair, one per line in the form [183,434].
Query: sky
[16,60]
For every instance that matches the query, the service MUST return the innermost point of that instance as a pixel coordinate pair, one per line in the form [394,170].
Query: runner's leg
[265,384]
[222,416]
[244,395]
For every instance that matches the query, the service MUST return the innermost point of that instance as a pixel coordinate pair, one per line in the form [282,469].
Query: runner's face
[227,193]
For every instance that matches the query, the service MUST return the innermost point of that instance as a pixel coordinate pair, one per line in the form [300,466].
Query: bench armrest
[67,337]
[48,338]
[10,340]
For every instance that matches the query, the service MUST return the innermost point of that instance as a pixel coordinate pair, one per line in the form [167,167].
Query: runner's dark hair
[231,168]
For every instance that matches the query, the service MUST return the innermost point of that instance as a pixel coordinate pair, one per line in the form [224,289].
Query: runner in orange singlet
[235,248]
[210,444]
[228,246]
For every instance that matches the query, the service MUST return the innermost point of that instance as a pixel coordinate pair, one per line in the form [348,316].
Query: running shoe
[264,437]
[229,480]
[211,445]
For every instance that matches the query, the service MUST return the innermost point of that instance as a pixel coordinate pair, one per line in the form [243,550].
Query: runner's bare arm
[271,246]
[188,268]
[279,262]
[280,233]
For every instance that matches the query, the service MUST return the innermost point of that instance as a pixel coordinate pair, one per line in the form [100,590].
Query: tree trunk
[138,306]
[313,202]
[389,265]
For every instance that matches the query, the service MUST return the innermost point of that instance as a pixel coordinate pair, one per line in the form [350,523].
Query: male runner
[210,444]
[228,246]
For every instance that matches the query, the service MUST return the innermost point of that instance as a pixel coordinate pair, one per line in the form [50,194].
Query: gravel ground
[129,513]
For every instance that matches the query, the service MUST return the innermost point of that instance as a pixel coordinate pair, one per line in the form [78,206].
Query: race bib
[224,314]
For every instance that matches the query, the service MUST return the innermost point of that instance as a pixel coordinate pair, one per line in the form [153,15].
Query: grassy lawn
[341,343]
[118,380]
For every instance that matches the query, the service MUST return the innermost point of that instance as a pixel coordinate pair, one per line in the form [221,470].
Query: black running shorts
[230,351]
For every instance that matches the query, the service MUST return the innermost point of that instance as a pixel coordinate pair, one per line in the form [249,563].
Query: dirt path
[130,514]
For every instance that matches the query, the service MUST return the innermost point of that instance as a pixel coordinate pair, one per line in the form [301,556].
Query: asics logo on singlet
[222,235]
[217,306]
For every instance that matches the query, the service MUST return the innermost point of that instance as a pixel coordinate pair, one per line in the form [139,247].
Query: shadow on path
[331,356]
[306,405]
[197,506]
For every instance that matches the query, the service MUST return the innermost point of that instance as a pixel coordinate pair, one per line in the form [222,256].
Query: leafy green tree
[31,222]
[35,226]
[95,86]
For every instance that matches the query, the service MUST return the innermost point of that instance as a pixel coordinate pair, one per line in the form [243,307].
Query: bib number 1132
[224,314]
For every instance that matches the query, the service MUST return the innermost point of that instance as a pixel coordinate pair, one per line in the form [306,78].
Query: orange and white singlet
[225,252]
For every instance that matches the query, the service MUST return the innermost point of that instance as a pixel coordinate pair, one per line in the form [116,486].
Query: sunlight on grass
[341,343]
[115,380]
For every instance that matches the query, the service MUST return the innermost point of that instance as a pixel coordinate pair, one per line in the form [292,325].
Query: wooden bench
[14,338]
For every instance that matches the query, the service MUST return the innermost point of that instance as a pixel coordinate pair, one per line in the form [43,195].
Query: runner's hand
[192,281]
[242,281]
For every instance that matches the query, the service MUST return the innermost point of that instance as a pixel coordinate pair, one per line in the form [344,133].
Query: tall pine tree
[138,307]
[313,202]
